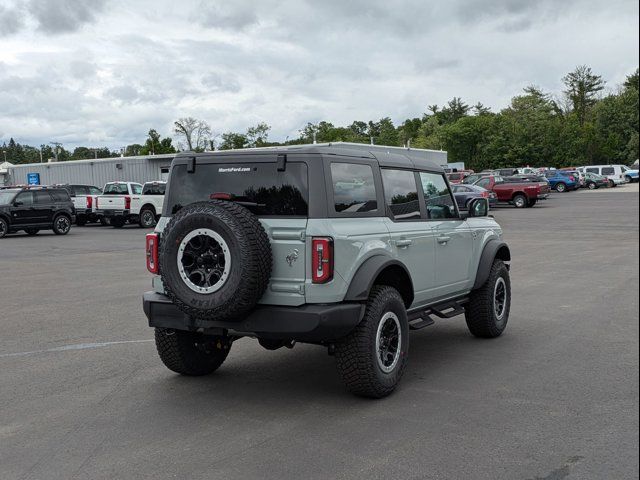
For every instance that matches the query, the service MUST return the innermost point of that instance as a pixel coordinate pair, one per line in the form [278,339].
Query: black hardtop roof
[387,156]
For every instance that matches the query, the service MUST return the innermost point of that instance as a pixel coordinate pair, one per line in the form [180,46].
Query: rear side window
[260,187]
[136,189]
[608,171]
[440,203]
[42,197]
[593,170]
[153,189]
[59,195]
[401,194]
[80,190]
[353,188]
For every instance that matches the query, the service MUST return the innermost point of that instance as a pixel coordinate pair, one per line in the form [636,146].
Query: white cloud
[105,72]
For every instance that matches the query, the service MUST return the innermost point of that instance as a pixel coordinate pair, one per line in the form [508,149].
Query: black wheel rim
[204,261]
[62,224]
[388,342]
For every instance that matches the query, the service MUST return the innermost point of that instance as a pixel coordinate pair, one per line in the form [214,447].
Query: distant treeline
[577,127]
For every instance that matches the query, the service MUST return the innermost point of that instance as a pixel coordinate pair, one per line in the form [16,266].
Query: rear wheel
[61,225]
[191,353]
[118,222]
[104,221]
[147,218]
[591,186]
[561,187]
[32,231]
[520,201]
[628,179]
[488,310]
[371,359]
[612,184]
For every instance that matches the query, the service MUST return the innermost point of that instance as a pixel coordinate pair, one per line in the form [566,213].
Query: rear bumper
[307,323]
[112,213]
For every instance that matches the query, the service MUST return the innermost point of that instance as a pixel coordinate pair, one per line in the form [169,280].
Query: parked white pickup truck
[83,197]
[123,202]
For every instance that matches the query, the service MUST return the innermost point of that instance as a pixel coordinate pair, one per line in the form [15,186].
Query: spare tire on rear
[215,260]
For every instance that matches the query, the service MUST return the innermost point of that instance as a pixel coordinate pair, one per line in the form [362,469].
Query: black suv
[34,209]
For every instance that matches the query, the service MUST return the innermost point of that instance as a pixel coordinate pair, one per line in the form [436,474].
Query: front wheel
[561,188]
[371,359]
[488,310]
[520,201]
[61,225]
[4,227]
[591,186]
[191,353]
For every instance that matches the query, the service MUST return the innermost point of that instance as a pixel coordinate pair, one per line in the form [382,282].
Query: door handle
[403,243]
[443,240]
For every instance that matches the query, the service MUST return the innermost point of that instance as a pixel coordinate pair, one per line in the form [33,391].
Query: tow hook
[290,344]
[331,349]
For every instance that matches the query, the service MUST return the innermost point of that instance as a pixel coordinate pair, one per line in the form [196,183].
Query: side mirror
[18,204]
[479,207]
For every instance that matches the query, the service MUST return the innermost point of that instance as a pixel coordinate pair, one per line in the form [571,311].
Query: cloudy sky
[103,72]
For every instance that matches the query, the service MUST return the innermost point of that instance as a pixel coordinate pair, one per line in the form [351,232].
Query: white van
[615,173]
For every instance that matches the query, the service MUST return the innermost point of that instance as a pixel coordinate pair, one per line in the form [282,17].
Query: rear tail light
[89,202]
[322,259]
[152,252]
[127,203]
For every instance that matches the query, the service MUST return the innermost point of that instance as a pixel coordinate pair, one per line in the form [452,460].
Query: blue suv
[561,181]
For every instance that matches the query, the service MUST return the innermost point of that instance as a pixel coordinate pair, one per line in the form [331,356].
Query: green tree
[583,87]
[233,141]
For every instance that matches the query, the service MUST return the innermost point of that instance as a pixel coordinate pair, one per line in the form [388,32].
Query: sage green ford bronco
[342,245]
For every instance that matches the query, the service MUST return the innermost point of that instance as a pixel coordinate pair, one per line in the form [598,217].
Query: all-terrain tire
[357,354]
[190,353]
[249,254]
[482,319]
[61,224]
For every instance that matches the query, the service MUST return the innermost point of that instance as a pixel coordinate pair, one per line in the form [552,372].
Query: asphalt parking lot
[83,394]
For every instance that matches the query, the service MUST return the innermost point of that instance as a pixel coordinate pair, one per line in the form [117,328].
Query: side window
[136,189]
[353,188]
[440,202]
[25,197]
[42,197]
[95,191]
[401,194]
[593,170]
[79,190]
[608,171]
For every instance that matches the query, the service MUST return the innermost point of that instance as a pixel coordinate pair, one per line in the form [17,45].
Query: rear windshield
[116,189]
[258,186]
[153,189]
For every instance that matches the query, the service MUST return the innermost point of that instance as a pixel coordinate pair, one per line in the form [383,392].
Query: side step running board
[422,317]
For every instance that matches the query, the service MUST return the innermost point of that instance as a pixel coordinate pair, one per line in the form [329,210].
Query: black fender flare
[367,273]
[493,249]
